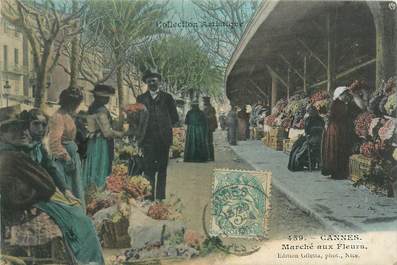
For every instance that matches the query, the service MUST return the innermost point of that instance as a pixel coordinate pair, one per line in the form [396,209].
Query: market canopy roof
[280,30]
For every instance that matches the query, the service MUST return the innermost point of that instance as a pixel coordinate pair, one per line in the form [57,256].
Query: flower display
[280,105]
[269,120]
[115,183]
[178,142]
[362,124]
[159,211]
[322,105]
[319,95]
[387,131]
[286,123]
[193,239]
[368,149]
[375,125]
[138,187]
[391,104]
[134,107]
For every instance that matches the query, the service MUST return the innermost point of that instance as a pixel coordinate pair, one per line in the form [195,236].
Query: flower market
[267,137]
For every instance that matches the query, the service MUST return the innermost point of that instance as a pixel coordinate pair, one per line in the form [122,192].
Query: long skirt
[72,179]
[242,129]
[98,163]
[336,149]
[196,146]
[77,229]
[232,134]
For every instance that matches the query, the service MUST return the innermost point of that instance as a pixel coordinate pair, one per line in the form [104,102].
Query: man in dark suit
[158,135]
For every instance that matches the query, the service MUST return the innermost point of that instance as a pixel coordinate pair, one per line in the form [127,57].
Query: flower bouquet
[322,105]
[280,106]
[138,187]
[362,124]
[269,120]
[387,130]
[368,149]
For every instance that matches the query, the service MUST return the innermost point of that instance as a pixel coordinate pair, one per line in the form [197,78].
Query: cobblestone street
[192,183]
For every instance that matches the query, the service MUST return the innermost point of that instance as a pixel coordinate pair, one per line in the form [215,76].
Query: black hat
[103,90]
[9,114]
[206,98]
[148,73]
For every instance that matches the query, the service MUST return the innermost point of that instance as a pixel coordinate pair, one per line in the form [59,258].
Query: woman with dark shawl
[27,181]
[196,146]
[339,137]
[313,123]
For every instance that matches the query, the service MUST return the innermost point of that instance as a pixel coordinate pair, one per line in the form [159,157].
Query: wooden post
[305,75]
[385,21]
[288,83]
[331,51]
[274,91]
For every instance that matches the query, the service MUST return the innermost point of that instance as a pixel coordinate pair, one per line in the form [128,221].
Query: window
[5,56]
[16,56]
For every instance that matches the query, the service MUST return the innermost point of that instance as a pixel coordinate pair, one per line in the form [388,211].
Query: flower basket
[359,165]
[277,132]
[287,145]
[115,235]
[265,139]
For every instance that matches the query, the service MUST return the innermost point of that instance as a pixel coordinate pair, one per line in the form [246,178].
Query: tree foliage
[121,25]
[186,67]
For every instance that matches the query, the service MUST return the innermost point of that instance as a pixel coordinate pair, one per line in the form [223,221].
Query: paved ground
[335,203]
[192,183]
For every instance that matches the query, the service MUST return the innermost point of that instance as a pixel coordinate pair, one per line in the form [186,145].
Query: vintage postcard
[198,132]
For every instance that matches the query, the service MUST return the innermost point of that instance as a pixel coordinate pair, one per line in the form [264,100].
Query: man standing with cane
[158,134]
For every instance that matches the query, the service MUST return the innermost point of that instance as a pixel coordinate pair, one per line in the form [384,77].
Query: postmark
[240,208]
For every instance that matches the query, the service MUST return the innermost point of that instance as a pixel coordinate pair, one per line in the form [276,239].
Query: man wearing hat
[210,113]
[157,140]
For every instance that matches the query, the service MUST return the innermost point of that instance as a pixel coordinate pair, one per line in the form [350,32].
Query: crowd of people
[48,164]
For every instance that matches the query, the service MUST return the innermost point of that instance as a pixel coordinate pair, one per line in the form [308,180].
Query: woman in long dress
[62,146]
[196,146]
[339,136]
[100,147]
[243,126]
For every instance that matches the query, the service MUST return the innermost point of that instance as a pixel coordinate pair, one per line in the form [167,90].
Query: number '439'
[295,237]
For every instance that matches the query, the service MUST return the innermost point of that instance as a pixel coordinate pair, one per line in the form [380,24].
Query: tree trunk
[74,57]
[121,92]
[40,96]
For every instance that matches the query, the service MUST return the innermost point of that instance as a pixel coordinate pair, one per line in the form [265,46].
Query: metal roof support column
[288,83]
[331,32]
[274,90]
[305,74]
[385,19]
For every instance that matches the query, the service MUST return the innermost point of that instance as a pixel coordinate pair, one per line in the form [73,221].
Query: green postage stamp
[240,204]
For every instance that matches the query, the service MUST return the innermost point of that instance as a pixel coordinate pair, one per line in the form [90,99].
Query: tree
[220,41]
[186,68]
[122,25]
[47,27]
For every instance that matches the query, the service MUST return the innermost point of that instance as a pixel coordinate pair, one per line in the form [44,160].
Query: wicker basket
[287,145]
[275,143]
[265,139]
[359,166]
[277,132]
[115,235]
